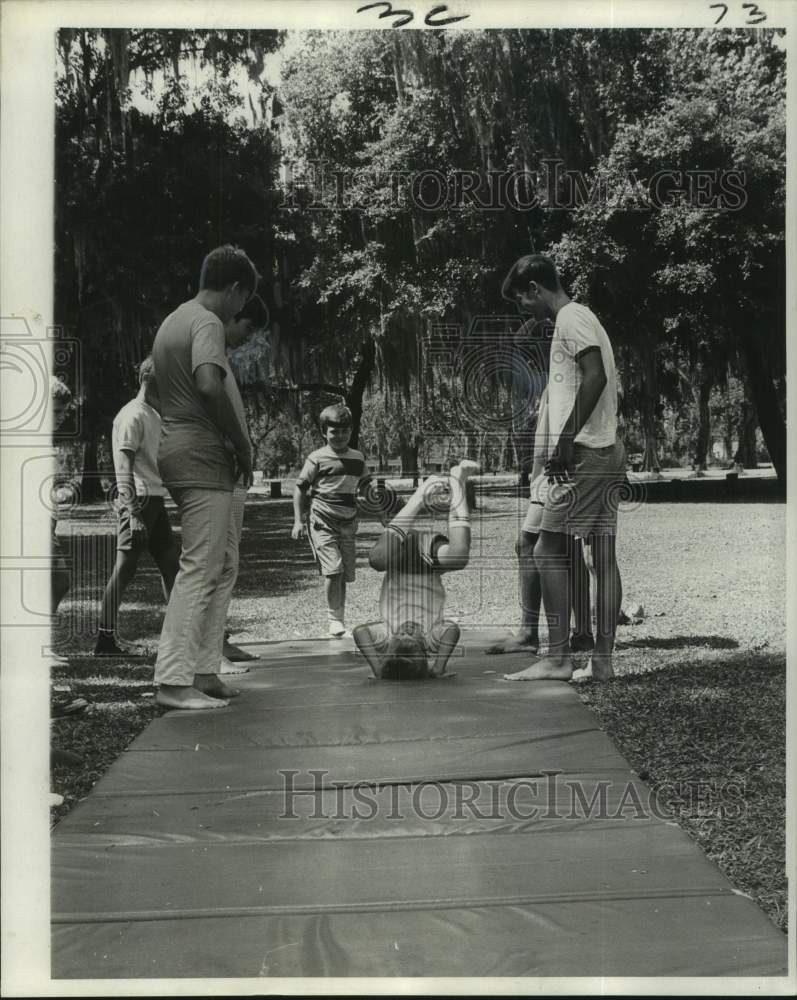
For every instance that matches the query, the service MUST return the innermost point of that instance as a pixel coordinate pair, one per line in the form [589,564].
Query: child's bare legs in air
[454,555]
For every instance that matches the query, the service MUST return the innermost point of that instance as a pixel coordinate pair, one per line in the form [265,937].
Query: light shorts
[538,494]
[333,544]
[380,636]
[588,505]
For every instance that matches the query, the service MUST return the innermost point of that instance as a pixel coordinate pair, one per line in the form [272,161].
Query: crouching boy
[412,631]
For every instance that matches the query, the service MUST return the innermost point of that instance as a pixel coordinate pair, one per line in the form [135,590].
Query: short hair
[59,390]
[405,659]
[337,413]
[255,310]
[146,370]
[226,265]
[533,267]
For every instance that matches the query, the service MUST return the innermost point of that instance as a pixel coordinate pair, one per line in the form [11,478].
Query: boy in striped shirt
[327,489]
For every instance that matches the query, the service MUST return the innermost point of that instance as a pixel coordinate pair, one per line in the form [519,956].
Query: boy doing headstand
[411,602]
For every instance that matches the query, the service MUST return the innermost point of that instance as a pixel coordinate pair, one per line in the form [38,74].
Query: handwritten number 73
[756,15]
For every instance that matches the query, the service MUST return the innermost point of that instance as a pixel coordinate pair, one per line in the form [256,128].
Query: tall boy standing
[588,461]
[204,450]
[327,489]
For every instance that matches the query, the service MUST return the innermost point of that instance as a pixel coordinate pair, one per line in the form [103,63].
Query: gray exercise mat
[328,825]
[656,937]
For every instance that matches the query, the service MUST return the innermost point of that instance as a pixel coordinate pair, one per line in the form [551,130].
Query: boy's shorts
[159,531]
[381,637]
[588,505]
[333,544]
[538,494]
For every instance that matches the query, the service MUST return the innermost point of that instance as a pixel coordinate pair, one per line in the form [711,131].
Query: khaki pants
[193,630]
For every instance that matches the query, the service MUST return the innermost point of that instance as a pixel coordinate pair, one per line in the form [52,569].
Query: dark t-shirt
[193,451]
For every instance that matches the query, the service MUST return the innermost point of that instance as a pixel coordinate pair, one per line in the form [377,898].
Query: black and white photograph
[397,564]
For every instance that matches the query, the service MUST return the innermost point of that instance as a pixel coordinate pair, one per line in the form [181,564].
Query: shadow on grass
[734,670]
[679,642]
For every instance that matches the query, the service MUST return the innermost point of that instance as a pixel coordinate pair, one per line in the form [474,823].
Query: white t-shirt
[577,328]
[137,428]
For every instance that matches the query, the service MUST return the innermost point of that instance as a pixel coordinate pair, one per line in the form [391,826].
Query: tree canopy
[386,183]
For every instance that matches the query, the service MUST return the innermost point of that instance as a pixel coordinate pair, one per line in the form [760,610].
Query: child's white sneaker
[337,630]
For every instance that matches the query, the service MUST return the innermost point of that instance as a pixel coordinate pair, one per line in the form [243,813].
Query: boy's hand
[465,469]
[138,528]
[560,463]
[298,531]
[243,462]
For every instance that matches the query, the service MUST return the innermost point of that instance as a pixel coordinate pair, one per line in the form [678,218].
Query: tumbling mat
[326,824]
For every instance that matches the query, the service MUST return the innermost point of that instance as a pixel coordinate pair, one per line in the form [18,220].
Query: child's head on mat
[405,656]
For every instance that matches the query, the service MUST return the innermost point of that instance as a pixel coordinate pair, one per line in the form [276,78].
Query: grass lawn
[697,707]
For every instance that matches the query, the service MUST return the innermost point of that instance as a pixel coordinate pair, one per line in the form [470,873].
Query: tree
[677,275]
[142,194]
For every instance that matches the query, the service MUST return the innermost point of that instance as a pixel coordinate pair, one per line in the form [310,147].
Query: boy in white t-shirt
[587,464]
[142,519]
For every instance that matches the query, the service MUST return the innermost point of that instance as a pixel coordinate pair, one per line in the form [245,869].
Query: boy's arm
[454,554]
[301,505]
[126,489]
[301,497]
[580,340]
[209,379]
[541,445]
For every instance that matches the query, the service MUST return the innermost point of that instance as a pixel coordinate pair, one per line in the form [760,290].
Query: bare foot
[228,667]
[545,669]
[211,685]
[235,653]
[522,643]
[184,696]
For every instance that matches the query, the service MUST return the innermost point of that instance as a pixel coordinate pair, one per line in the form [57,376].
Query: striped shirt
[332,478]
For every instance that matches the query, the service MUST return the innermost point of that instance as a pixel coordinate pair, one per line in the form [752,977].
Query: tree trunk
[704,418]
[508,454]
[90,485]
[746,450]
[360,382]
[408,450]
[765,399]
[650,399]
